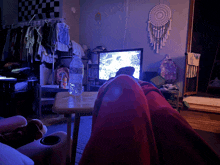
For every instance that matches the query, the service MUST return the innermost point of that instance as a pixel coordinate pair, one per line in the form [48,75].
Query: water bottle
[76,72]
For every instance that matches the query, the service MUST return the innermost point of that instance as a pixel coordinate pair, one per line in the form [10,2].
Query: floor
[213,139]
[204,94]
[204,116]
[207,125]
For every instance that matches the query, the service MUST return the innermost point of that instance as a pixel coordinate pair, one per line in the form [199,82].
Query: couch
[47,150]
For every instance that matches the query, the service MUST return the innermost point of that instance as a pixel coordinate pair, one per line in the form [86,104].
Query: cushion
[126,70]
[158,81]
[11,156]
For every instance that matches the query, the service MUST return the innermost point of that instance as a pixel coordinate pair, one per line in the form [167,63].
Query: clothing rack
[35,23]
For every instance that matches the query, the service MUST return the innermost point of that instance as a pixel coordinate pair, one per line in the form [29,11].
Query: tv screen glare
[111,61]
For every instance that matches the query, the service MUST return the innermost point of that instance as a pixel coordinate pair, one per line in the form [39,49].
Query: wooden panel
[204,104]
[202,101]
[190,25]
[211,109]
[189,42]
[190,86]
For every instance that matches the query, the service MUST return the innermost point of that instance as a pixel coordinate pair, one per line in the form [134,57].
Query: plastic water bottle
[76,72]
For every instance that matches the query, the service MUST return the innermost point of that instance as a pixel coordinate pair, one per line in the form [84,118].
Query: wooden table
[79,105]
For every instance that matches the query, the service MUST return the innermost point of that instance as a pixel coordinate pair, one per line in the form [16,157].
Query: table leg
[68,152]
[75,137]
[177,106]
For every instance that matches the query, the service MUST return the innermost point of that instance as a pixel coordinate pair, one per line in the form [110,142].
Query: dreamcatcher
[159,25]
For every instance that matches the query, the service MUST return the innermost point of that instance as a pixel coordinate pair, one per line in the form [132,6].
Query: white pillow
[11,156]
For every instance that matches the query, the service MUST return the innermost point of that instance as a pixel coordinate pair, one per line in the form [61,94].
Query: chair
[46,95]
[47,150]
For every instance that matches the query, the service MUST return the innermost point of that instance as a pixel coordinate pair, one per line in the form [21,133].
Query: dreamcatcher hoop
[159,25]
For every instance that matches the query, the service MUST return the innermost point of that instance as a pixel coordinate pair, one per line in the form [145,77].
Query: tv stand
[94,88]
[92,77]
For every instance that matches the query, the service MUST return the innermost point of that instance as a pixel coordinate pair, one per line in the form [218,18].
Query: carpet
[83,136]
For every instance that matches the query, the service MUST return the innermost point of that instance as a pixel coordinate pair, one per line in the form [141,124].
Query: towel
[193,59]
[77,49]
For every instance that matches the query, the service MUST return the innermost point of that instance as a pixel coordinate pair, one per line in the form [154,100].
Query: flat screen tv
[111,61]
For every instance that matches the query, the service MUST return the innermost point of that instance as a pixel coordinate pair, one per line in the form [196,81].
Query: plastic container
[76,72]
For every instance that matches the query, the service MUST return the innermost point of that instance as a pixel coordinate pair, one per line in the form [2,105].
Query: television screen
[111,61]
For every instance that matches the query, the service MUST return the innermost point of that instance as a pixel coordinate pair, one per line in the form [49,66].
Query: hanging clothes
[28,45]
[192,65]
[63,38]
[3,36]
[12,45]
[6,47]
[17,44]
[53,39]
[38,38]
[49,37]
[77,49]
[46,55]
[22,41]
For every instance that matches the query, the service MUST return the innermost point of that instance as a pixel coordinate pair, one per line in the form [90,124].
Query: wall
[111,31]
[10,15]
[72,17]
[9,12]
[1,7]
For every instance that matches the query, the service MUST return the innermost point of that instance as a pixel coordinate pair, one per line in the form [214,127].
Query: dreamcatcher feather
[159,26]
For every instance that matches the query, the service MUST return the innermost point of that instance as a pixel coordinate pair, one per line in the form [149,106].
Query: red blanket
[133,124]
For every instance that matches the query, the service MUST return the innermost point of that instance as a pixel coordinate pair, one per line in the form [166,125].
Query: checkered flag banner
[42,9]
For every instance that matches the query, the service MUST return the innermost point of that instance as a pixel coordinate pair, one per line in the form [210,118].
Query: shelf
[93,64]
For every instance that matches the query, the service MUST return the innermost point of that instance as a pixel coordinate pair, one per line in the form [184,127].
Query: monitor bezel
[101,81]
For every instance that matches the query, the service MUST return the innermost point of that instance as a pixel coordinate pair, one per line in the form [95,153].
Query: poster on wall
[42,9]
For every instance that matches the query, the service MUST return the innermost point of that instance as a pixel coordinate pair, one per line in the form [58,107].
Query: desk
[80,105]
[7,88]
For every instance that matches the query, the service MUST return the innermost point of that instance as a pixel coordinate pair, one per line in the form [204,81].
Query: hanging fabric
[3,34]
[23,51]
[159,26]
[62,37]
[193,59]
[38,40]
[6,45]
[17,44]
[35,43]
[192,65]
[77,49]
[45,55]
[30,43]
